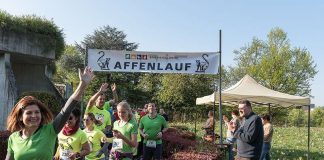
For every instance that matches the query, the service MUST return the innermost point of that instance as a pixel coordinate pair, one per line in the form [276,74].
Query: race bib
[151,144]
[117,144]
[64,154]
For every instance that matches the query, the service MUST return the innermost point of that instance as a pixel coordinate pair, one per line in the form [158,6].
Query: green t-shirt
[72,143]
[101,115]
[152,127]
[106,106]
[40,146]
[94,139]
[127,130]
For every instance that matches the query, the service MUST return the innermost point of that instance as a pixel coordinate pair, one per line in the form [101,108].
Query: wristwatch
[77,155]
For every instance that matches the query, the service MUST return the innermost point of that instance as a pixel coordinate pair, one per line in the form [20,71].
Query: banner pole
[82,98]
[220,89]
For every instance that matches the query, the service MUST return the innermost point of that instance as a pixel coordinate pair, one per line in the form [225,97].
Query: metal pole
[82,98]
[308,136]
[220,89]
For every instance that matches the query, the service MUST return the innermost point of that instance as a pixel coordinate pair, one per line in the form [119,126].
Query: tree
[107,38]
[317,116]
[275,64]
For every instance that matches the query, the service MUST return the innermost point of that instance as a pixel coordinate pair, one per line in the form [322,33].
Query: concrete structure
[23,68]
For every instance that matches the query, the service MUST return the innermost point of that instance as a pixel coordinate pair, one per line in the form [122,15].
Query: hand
[117,134]
[225,118]
[103,88]
[145,136]
[159,135]
[232,126]
[73,156]
[103,140]
[113,87]
[87,76]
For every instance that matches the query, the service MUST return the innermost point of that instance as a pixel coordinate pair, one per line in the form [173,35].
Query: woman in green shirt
[33,131]
[125,133]
[95,137]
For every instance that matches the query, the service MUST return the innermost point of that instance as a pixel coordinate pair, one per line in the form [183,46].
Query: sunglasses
[86,119]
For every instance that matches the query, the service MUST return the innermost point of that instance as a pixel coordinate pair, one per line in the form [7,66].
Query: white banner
[153,62]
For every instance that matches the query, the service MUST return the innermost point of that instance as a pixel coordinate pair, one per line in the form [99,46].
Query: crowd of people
[118,132]
[250,133]
[107,132]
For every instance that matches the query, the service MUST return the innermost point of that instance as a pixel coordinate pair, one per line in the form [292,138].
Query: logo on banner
[103,62]
[202,65]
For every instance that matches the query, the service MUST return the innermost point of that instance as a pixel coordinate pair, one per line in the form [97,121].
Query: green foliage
[297,117]
[275,64]
[48,99]
[287,142]
[33,24]
[317,116]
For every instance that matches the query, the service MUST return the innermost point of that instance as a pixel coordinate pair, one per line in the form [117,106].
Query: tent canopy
[248,88]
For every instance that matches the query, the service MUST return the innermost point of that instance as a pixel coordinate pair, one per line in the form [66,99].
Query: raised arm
[85,78]
[92,101]
[114,91]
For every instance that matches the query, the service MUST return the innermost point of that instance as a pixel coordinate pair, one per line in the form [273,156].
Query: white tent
[248,88]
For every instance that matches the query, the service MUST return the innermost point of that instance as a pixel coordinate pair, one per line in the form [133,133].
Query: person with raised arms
[34,131]
[72,141]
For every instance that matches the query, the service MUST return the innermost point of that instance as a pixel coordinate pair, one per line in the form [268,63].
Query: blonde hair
[126,106]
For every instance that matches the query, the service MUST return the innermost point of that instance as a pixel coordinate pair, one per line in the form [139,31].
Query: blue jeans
[265,154]
[231,141]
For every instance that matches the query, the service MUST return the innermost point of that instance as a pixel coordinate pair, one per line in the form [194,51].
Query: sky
[189,25]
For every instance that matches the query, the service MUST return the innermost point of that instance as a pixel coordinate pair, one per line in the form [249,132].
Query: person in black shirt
[249,135]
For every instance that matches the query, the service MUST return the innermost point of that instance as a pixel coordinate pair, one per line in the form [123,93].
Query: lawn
[288,143]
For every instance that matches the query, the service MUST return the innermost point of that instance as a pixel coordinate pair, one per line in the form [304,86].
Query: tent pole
[269,111]
[220,89]
[308,135]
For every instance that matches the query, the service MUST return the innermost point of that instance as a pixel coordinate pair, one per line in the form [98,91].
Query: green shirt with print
[72,143]
[94,139]
[102,115]
[127,130]
[40,146]
[152,126]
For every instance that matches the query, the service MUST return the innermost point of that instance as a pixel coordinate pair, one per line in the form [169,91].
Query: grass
[287,143]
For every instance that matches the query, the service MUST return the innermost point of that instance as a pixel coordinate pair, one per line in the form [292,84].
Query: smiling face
[87,121]
[71,122]
[151,108]
[100,101]
[31,116]
[122,112]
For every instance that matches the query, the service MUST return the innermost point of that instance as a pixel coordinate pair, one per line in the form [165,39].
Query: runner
[150,126]
[125,133]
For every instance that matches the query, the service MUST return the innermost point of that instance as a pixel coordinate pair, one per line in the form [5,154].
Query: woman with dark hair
[72,141]
[33,129]
[95,137]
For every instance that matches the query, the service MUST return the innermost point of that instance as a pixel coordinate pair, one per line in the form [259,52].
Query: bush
[4,135]
[48,99]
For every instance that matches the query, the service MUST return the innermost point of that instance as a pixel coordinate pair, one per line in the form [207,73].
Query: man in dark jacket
[249,135]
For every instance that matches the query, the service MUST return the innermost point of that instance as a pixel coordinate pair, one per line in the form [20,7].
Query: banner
[153,62]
